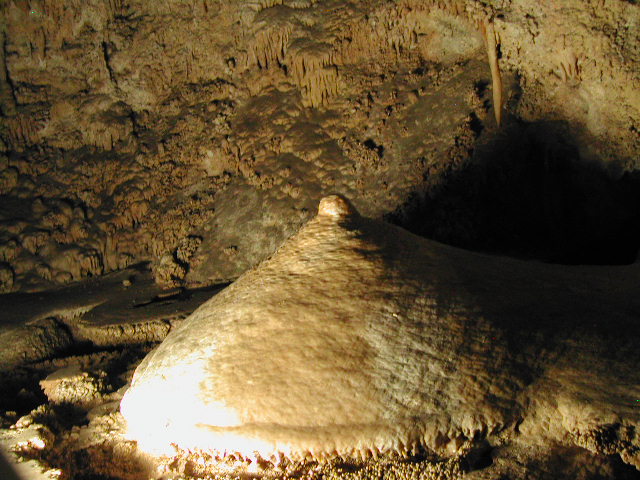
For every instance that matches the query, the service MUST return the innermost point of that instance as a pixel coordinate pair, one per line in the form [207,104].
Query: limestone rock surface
[360,338]
[132,130]
[121,308]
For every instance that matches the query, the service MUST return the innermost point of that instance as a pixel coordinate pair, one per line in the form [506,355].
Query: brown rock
[357,337]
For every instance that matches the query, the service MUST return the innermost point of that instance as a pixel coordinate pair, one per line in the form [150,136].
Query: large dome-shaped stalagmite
[161,156]
[360,338]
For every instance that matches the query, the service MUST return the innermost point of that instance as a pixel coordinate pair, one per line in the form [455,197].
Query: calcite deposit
[360,339]
[153,152]
[130,127]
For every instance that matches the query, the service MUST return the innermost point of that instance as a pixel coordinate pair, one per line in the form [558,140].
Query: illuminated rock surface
[358,337]
[195,136]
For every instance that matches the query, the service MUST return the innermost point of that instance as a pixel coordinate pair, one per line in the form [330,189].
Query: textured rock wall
[199,134]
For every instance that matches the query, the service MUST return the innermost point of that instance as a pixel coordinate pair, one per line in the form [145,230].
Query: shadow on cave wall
[526,192]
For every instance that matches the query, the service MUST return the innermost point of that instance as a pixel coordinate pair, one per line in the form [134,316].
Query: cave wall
[197,135]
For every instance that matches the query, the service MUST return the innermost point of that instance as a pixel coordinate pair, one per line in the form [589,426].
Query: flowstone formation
[357,338]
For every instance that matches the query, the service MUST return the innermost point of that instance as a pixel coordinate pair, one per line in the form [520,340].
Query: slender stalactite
[492,53]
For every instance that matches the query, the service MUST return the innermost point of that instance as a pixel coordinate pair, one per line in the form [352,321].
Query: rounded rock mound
[359,338]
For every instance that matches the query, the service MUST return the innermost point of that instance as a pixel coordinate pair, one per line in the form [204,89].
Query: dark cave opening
[527,193]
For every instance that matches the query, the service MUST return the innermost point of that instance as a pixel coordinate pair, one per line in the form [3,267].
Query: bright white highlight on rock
[357,338]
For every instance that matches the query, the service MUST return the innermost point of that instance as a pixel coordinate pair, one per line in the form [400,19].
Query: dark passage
[526,192]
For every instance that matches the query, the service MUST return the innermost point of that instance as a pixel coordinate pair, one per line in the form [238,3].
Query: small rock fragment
[74,386]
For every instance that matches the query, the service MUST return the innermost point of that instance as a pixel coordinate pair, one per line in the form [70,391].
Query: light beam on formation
[357,338]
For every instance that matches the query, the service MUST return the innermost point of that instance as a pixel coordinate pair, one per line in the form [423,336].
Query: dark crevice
[622,470]
[479,457]
[107,61]
[374,147]
[481,87]
[180,295]
[475,124]
[7,74]
[20,392]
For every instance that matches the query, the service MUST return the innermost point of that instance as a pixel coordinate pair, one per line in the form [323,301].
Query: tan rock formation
[357,338]
[104,100]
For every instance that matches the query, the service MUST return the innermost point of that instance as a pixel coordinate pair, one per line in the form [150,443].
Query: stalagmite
[359,337]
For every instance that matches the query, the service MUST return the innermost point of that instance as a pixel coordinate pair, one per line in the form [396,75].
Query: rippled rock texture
[358,338]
